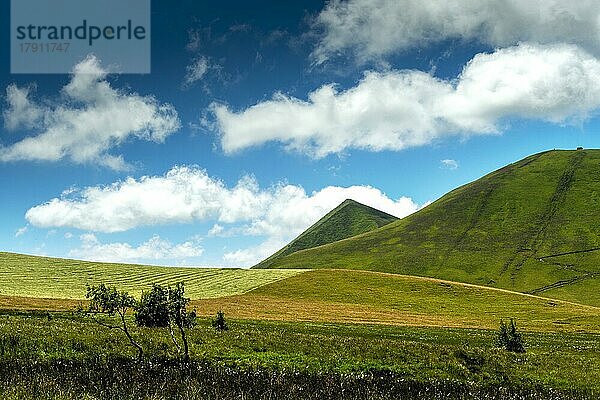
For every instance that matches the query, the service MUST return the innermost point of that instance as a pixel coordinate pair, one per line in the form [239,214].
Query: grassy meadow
[344,296]
[53,278]
[321,334]
[377,298]
[269,359]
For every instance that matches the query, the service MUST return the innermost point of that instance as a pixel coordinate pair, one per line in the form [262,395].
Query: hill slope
[531,226]
[350,218]
[56,278]
[376,298]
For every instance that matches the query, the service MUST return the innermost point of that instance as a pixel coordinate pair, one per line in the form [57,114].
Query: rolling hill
[350,218]
[317,296]
[57,278]
[365,297]
[531,226]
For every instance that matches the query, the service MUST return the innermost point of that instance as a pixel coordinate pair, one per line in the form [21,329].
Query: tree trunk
[173,339]
[186,353]
[133,342]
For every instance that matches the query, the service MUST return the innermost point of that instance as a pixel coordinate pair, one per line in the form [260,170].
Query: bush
[219,322]
[152,310]
[164,307]
[509,338]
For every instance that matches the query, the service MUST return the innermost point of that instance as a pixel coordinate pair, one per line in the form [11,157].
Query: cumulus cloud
[253,255]
[370,29]
[155,249]
[449,164]
[188,194]
[398,109]
[182,195]
[196,70]
[90,118]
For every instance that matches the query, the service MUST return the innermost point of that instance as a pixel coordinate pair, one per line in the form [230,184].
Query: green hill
[350,218]
[532,226]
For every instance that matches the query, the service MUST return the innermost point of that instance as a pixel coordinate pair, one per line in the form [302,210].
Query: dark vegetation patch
[166,379]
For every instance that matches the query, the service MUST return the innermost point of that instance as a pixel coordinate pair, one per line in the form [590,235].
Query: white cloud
[68,235]
[182,195]
[188,194]
[21,231]
[216,230]
[253,255]
[155,249]
[196,70]
[21,111]
[449,164]
[398,109]
[369,29]
[90,119]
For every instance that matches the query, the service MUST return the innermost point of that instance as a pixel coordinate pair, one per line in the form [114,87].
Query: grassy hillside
[531,226]
[43,277]
[324,295]
[350,218]
[378,298]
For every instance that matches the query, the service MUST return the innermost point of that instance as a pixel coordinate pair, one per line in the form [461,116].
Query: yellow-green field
[52,278]
[347,296]
[377,298]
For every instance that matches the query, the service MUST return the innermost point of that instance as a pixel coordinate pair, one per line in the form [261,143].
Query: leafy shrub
[219,322]
[153,310]
[166,307]
[509,338]
[178,314]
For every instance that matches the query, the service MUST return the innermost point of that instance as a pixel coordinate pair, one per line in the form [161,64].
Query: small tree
[516,342]
[509,338]
[179,315]
[152,310]
[219,322]
[109,301]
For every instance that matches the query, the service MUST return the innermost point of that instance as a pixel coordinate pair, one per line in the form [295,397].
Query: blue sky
[260,117]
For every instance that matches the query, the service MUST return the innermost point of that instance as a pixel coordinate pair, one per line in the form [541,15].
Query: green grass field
[496,231]
[42,277]
[260,359]
[325,333]
[339,334]
[348,296]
